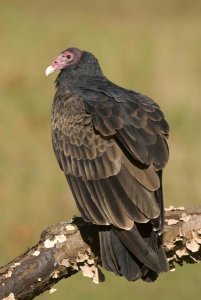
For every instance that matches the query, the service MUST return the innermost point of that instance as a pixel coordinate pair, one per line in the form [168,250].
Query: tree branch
[66,248]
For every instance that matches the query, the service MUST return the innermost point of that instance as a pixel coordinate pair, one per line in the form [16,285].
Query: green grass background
[151,46]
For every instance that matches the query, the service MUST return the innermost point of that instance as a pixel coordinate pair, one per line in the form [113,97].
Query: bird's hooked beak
[49,70]
[58,64]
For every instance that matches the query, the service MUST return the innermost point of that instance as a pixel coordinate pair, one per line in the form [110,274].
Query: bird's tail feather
[142,257]
[116,258]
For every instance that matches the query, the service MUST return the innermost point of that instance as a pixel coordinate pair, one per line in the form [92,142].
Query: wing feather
[137,123]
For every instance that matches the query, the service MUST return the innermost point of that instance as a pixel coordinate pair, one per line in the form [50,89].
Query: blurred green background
[151,46]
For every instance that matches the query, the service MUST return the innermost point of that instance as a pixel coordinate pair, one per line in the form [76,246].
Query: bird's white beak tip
[49,70]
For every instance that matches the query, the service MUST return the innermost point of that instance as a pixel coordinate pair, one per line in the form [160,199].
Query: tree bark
[66,248]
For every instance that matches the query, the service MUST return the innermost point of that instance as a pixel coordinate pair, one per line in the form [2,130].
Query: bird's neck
[78,76]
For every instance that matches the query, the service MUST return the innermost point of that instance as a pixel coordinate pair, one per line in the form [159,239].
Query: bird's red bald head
[67,57]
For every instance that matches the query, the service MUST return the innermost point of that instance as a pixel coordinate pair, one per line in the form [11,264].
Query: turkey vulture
[111,144]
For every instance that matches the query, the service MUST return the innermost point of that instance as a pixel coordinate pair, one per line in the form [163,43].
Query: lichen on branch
[66,248]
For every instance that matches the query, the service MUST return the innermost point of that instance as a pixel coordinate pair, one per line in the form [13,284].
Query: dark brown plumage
[111,145]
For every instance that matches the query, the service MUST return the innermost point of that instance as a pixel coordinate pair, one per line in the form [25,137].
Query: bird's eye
[69,56]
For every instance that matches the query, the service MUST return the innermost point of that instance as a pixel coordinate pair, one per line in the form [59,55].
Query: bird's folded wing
[99,146]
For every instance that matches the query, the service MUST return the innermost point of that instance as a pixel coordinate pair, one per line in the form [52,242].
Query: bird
[111,144]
